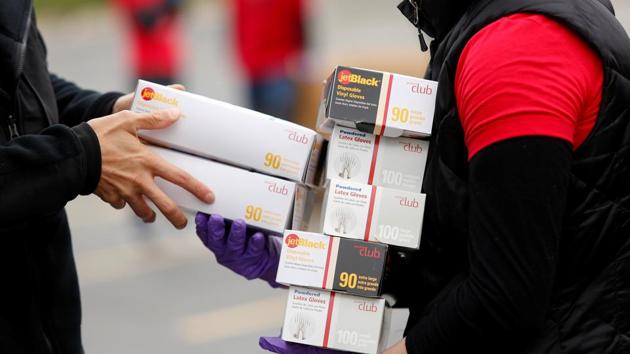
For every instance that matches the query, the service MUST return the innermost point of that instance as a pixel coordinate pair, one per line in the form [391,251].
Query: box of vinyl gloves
[263,201]
[356,156]
[231,134]
[372,213]
[333,320]
[333,263]
[378,102]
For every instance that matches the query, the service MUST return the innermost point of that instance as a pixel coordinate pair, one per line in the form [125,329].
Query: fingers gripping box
[372,213]
[343,265]
[378,102]
[263,201]
[231,134]
[356,156]
[333,320]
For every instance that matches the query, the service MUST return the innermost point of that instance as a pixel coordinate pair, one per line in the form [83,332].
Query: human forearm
[517,196]
[40,173]
[76,105]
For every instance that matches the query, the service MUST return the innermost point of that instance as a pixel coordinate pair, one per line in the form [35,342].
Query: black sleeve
[77,105]
[517,199]
[40,173]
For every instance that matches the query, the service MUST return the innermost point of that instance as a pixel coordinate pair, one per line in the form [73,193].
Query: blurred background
[149,288]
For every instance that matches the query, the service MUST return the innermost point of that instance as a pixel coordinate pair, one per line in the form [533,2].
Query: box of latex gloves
[343,265]
[265,202]
[333,320]
[378,102]
[231,134]
[356,156]
[372,213]
[394,324]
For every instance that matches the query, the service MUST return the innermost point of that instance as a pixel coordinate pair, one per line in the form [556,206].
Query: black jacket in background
[48,165]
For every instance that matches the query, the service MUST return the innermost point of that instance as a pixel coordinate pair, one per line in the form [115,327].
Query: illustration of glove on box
[231,134]
[372,213]
[333,320]
[263,201]
[332,263]
[377,102]
[360,157]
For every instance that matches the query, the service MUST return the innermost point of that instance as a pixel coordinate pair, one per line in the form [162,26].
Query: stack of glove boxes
[372,201]
[252,162]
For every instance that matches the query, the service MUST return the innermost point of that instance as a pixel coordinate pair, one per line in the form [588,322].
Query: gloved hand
[256,256]
[277,345]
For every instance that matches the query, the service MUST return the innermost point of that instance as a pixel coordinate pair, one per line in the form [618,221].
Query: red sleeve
[527,75]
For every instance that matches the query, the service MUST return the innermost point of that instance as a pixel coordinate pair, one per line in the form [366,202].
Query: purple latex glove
[254,257]
[277,345]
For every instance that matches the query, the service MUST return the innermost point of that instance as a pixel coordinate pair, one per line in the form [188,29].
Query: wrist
[92,157]
[103,105]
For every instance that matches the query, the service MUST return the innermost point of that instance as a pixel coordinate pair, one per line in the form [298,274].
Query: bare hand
[123,103]
[128,167]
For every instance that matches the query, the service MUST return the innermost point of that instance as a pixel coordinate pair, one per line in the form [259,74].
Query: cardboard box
[394,324]
[372,213]
[360,157]
[333,320]
[231,134]
[263,201]
[307,208]
[378,102]
[332,263]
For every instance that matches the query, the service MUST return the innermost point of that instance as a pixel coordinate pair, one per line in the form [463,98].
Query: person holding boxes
[252,255]
[525,244]
[58,141]
[527,217]
[336,273]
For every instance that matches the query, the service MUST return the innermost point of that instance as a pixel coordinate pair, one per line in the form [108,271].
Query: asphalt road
[149,288]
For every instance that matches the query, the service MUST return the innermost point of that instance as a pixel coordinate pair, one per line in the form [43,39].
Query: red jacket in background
[269,34]
[156,50]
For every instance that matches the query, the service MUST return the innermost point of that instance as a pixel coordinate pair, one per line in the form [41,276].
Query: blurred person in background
[155,39]
[54,147]
[270,39]
[525,246]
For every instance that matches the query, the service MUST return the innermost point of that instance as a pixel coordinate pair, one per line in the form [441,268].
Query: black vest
[590,308]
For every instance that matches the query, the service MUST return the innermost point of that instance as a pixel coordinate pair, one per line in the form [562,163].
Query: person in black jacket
[53,147]
[526,246]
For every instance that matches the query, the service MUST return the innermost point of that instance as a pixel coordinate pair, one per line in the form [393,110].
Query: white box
[378,102]
[360,157]
[306,208]
[332,263]
[333,320]
[394,324]
[373,213]
[230,134]
[262,201]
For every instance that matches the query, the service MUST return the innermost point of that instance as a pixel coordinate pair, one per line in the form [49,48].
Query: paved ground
[148,288]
